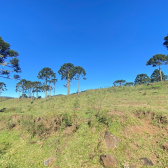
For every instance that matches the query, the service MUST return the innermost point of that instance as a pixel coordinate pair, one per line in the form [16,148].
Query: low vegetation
[68,131]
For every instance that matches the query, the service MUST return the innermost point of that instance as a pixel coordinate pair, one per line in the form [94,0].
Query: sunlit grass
[69,128]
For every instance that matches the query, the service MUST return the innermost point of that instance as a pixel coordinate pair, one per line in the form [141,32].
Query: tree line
[142,79]
[9,63]
[67,71]
[157,75]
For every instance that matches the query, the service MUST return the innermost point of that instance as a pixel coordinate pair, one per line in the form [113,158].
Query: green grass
[70,129]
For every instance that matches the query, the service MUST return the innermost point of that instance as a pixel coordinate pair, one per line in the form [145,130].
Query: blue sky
[110,39]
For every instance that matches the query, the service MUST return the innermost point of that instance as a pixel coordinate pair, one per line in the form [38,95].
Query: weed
[10,124]
[67,120]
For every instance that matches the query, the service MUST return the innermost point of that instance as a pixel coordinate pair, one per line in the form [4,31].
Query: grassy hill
[68,131]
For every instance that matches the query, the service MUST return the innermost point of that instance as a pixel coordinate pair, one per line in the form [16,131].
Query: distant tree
[166,41]
[8,59]
[29,88]
[141,79]
[2,87]
[79,74]
[54,80]
[67,72]
[158,60]
[129,84]
[155,77]
[23,86]
[46,74]
[18,88]
[119,82]
[45,88]
[33,85]
[23,96]
[50,87]
[37,87]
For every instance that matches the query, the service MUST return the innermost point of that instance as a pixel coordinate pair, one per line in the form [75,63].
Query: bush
[67,120]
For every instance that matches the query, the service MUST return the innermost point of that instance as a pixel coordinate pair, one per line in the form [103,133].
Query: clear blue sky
[110,39]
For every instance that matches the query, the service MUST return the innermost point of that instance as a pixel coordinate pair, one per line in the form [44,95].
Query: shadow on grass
[2,110]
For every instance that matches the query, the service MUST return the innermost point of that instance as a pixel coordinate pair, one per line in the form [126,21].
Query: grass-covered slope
[69,130]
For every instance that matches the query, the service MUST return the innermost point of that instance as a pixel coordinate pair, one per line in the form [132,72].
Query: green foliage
[21,86]
[2,87]
[157,60]
[47,75]
[141,79]
[8,58]
[23,96]
[104,118]
[67,120]
[79,73]
[119,82]
[37,87]
[155,77]
[54,80]
[129,84]
[67,71]
[166,41]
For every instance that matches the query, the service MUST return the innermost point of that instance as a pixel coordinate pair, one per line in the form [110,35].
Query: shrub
[67,120]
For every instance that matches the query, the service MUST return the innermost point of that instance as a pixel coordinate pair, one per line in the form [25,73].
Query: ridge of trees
[10,64]
[68,72]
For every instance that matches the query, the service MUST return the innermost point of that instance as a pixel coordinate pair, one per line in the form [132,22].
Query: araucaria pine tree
[2,87]
[158,60]
[8,61]
[166,41]
[23,86]
[54,80]
[67,72]
[46,74]
[79,74]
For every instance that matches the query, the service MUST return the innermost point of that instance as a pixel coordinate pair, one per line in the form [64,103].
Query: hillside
[71,131]
[7,97]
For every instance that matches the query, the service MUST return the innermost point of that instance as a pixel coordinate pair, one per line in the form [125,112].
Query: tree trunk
[22,93]
[19,92]
[30,92]
[46,89]
[54,88]
[160,73]
[36,94]
[78,86]
[0,92]
[68,85]
[45,92]
[50,90]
